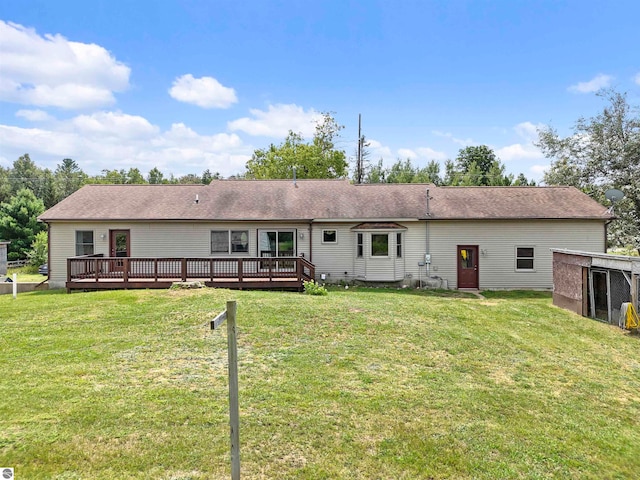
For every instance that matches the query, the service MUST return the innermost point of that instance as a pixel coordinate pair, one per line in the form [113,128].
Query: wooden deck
[97,272]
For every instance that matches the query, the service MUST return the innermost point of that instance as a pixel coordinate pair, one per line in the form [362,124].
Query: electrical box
[421,264]
[427,258]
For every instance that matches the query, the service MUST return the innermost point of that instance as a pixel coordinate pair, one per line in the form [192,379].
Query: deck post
[240,270]
[155,269]
[125,270]
[211,263]
[184,269]
[95,265]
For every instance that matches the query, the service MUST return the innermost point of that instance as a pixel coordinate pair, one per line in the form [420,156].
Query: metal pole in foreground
[234,413]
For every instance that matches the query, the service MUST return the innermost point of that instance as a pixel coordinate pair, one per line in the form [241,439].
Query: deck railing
[129,269]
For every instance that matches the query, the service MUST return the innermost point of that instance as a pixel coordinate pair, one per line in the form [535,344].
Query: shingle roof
[320,199]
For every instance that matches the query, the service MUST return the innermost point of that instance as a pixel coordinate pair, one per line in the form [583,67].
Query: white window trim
[330,230]
[229,252]
[371,255]
[516,257]
[93,243]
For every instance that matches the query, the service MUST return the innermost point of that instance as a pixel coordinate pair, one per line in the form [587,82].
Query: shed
[595,284]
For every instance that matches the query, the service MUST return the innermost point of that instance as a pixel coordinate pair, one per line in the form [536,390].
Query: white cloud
[34,115]
[113,140]
[637,79]
[518,151]
[114,124]
[205,92]
[277,121]
[537,172]
[421,153]
[528,130]
[465,142]
[431,154]
[523,151]
[596,83]
[539,169]
[50,70]
[377,151]
[407,153]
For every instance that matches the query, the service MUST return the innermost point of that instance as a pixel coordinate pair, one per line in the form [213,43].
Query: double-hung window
[84,242]
[525,259]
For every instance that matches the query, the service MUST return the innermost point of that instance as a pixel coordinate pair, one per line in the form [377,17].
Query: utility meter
[427,258]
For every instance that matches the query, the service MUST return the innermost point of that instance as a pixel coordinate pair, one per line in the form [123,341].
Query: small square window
[525,258]
[329,236]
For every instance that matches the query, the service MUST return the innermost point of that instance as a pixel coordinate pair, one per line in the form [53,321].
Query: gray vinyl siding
[335,259]
[166,239]
[499,239]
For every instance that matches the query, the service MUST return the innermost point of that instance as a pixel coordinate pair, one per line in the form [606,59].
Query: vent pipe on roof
[197,199]
[294,177]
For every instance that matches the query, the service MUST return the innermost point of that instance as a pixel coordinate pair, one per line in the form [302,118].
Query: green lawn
[26,274]
[359,384]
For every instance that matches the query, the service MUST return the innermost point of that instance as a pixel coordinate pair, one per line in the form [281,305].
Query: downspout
[310,241]
[426,225]
[606,224]
[48,251]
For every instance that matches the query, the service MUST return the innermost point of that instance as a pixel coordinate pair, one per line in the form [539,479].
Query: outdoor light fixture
[103,236]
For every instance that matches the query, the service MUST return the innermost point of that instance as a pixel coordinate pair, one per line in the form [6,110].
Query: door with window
[468,266]
[119,247]
[277,243]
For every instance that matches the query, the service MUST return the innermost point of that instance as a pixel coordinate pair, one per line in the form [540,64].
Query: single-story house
[452,237]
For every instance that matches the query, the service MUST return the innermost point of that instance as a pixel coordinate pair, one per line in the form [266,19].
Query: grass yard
[360,384]
[26,274]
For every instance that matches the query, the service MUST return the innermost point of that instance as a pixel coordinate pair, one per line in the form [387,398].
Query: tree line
[53,186]
[603,152]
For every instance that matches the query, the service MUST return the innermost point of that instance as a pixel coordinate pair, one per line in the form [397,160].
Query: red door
[119,246]
[468,266]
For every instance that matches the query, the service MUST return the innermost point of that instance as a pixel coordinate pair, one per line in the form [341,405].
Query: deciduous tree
[318,159]
[603,152]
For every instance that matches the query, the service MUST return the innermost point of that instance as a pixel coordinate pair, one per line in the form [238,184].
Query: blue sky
[190,85]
